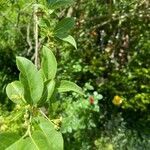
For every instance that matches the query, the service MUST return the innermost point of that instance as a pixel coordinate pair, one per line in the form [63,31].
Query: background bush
[112,59]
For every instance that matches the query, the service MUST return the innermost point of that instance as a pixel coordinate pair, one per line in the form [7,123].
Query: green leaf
[64,26]
[37,141]
[15,92]
[49,63]
[22,144]
[66,86]
[31,80]
[47,138]
[40,141]
[49,87]
[42,75]
[6,139]
[68,39]
[54,137]
[54,4]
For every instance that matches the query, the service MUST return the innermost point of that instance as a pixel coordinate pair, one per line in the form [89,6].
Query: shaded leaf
[64,26]
[54,4]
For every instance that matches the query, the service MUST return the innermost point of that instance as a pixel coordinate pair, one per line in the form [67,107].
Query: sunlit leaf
[66,86]
[49,87]
[31,80]
[68,39]
[15,92]
[54,137]
[49,63]
[6,139]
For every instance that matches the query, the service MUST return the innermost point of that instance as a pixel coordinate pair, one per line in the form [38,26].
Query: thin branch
[36,35]
[28,39]
[117,18]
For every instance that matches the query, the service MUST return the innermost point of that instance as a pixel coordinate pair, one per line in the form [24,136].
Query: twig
[36,35]
[29,40]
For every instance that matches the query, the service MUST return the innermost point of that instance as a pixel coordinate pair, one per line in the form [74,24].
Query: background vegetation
[111,64]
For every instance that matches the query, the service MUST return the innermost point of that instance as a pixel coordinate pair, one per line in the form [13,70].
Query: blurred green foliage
[112,58]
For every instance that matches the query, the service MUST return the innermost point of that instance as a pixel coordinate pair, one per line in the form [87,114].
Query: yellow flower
[117,100]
